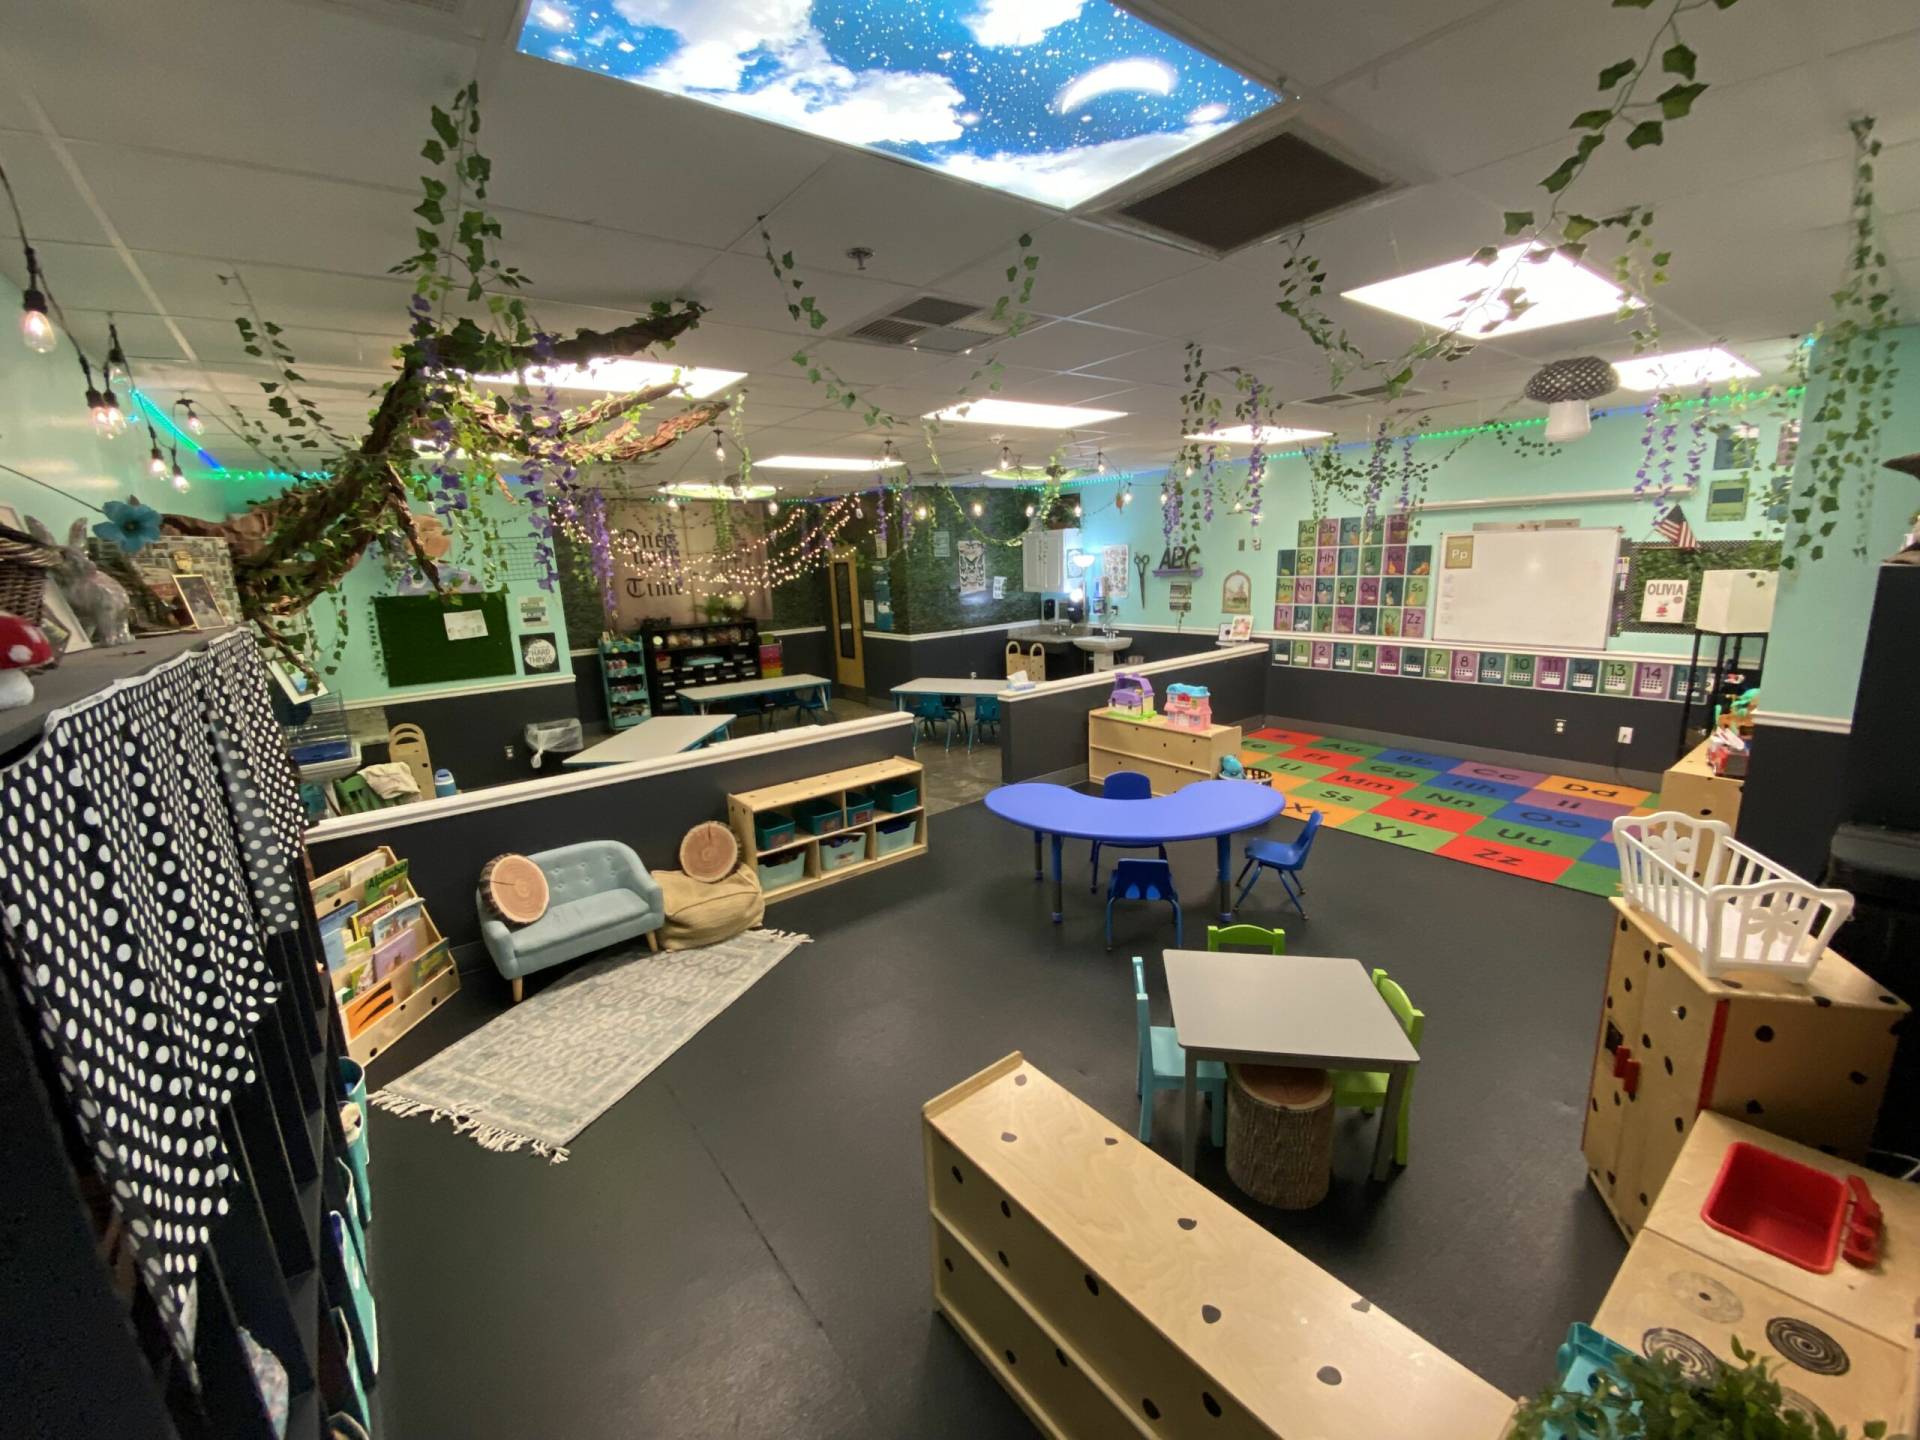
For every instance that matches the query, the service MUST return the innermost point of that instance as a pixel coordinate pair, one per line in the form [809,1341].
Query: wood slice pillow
[710,851]
[514,888]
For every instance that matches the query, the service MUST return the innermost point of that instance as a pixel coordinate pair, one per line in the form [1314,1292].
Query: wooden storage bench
[1114,1296]
[1167,755]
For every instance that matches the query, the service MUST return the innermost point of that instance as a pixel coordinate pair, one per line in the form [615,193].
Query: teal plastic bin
[847,850]
[781,870]
[771,828]
[859,806]
[353,1080]
[898,795]
[817,817]
[892,835]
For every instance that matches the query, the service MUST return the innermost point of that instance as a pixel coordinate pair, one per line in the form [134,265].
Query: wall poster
[1114,571]
[971,556]
[1236,593]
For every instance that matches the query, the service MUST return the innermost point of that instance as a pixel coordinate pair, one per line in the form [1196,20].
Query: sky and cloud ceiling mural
[1056,100]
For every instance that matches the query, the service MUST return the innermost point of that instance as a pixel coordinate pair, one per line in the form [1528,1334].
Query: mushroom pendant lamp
[1565,387]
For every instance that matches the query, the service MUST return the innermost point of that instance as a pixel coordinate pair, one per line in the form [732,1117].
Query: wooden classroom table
[1309,1010]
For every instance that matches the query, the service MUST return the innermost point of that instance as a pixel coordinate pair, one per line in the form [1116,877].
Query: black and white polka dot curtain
[135,897]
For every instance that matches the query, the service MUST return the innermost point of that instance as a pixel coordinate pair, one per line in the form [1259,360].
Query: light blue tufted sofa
[598,895]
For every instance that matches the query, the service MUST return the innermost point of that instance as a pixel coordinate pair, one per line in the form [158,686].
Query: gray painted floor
[738,1248]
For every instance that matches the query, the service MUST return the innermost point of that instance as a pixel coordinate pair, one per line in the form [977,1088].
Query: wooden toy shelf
[1167,755]
[1112,1295]
[744,808]
[1691,787]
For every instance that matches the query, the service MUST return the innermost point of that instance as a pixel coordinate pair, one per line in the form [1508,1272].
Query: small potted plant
[1637,1398]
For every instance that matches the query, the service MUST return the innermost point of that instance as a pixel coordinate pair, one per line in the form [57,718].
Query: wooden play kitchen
[807,833]
[1804,1059]
[1842,1341]
[1169,755]
[1111,1295]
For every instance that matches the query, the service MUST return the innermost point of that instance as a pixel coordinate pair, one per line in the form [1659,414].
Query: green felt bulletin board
[413,638]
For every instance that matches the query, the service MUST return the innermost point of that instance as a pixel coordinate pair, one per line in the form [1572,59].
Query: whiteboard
[1549,589]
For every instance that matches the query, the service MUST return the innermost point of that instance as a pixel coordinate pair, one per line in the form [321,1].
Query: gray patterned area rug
[548,1068]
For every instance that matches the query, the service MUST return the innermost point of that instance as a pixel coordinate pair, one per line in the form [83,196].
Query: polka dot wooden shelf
[1112,1295]
[1808,1061]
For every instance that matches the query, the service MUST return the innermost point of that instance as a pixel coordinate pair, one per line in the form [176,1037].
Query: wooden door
[849,646]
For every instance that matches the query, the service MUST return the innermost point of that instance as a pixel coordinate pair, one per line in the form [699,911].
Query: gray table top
[971,685]
[652,738]
[1283,1010]
[740,689]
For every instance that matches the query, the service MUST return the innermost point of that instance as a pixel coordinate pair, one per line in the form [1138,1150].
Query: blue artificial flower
[130,525]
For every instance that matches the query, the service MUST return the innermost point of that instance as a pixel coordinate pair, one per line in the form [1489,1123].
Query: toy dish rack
[1735,907]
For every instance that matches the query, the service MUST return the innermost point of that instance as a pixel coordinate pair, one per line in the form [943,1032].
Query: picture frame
[203,606]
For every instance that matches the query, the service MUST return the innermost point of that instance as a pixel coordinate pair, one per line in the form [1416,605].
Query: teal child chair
[1142,880]
[1121,785]
[932,710]
[1366,1090]
[1163,1066]
[986,716]
[1252,937]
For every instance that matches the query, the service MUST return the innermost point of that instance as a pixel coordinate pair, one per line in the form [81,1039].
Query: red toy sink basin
[1791,1210]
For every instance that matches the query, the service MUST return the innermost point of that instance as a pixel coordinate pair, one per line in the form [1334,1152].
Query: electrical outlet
[509,752]
[1625,737]
[1559,727]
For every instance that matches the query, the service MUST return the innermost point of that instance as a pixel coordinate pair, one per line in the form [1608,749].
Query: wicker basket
[24,566]
[1280,1134]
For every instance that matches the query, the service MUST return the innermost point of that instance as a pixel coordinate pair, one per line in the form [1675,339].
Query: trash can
[554,737]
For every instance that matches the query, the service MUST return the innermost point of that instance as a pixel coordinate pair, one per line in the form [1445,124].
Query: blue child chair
[1284,859]
[811,705]
[1163,1066]
[1122,785]
[1142,880]
[986,716]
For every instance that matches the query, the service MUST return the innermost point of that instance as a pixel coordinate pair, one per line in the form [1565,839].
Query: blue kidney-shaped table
[1205,810]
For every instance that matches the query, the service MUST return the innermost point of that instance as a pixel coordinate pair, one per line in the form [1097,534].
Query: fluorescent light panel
[1023,415]
[611,377]
[826,464]
[717,490]
[1682,369]
[1560,291]
[1053,100]
[1269,435]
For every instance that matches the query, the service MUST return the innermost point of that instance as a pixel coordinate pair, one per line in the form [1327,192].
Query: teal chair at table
[1254,937]
[932,710]
[1121,785]
[1163,1066]
[986,716]
[1142,880]
[812,705]
[1366,1090]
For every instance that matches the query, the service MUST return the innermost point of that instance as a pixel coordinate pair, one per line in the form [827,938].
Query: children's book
[386,881]
[405,913]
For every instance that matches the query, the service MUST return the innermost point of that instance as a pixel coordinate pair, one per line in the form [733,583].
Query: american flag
[1673,526]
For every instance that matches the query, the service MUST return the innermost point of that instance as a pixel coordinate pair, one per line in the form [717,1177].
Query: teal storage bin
[779,870]
[817,817]
[892,835]
[353,1080]
[1580,1358]
[847,850]
[859,806]
[898,795]
[771,828]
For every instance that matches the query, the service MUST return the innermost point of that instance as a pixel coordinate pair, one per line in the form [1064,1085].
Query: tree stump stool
[1280,1134]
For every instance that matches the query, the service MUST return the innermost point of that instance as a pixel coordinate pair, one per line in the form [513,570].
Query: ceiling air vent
[1277,184]
[1364,396]
[928,323]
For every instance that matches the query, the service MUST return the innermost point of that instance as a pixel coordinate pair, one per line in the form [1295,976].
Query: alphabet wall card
[1664,602]
[1236,593]
[971,556]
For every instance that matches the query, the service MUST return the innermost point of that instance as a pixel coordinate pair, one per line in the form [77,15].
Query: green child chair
[1163,1066]
[1366,1090]
[1252,937]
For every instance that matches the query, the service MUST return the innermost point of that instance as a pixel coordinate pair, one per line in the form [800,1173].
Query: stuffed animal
[99,601]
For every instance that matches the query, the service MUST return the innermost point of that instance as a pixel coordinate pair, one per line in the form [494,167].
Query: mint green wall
[1604,460]
[1820,622]
[361,673]
[44,431]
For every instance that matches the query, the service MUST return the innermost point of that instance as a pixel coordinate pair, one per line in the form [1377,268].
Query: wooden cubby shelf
[1113,1295]
[742,810]
[1169,756]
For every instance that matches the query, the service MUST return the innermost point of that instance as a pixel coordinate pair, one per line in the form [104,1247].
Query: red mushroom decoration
[21,645]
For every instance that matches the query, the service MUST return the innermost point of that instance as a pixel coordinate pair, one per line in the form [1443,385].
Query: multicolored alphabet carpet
[1552,828]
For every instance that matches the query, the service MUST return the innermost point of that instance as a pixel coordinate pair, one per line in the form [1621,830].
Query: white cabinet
[1043,559]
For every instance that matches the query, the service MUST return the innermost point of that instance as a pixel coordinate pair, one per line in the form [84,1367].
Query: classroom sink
[1103,644]
[1049,635]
